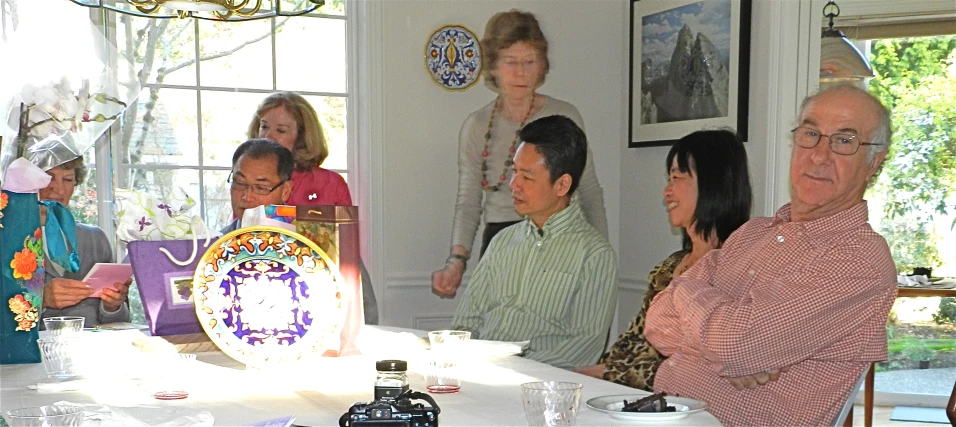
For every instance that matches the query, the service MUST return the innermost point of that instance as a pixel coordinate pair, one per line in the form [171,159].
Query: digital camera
[400,412]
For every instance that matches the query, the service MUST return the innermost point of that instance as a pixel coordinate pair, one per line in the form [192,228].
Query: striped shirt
[556,287]
[811,295]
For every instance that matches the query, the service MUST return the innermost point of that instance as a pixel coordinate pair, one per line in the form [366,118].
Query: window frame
[105,148]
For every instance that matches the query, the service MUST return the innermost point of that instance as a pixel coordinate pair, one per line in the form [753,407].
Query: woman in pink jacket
[287,118]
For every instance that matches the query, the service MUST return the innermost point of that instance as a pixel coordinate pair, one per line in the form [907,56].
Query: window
[913,204]
[201,83]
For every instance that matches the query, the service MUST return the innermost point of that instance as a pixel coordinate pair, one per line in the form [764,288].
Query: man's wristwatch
[462,258]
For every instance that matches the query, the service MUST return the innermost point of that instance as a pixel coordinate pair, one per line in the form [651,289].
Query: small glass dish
[46,416]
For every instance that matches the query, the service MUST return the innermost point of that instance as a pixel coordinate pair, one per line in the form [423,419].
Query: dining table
[121,370]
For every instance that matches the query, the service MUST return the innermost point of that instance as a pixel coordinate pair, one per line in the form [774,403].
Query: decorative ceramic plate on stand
[453,57]
[266,295]
[612,405]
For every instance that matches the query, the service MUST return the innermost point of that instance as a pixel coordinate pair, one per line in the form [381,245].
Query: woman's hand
[596,371]
[445,282]
[113,298]
[63,293]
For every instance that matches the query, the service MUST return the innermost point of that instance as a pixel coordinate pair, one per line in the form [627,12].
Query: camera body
[392,413]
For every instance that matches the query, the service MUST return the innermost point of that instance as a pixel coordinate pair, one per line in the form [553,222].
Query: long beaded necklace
[511,152]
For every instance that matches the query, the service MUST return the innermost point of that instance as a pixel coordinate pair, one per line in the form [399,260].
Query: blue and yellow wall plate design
[453,57]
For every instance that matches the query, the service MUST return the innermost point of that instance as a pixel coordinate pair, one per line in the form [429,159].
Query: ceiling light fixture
[840,60]
[217,10]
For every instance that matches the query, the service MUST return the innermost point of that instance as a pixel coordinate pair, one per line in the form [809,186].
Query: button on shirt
[556,287]
[811,295]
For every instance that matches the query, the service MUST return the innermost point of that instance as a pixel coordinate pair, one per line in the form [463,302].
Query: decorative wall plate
[266,295]
[453,57]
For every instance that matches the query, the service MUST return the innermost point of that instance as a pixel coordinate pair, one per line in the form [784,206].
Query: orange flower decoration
[26,314]
[3,200]
[18,305]
[24,264]
[38,234]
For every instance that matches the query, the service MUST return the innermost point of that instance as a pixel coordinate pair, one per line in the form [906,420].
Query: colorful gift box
[21,275]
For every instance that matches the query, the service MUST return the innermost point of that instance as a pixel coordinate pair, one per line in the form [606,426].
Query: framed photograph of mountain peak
[690,68]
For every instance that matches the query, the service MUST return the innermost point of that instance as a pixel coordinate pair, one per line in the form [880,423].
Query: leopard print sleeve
[632,361]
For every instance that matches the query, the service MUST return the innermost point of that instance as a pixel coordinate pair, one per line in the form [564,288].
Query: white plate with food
[613,405]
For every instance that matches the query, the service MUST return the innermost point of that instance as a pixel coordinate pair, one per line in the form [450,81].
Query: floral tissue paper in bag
[165,244]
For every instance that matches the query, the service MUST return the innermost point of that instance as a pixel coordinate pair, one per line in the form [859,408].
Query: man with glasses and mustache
[261,175]
[777,326]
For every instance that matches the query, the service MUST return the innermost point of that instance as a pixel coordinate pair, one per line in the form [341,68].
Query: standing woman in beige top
[515,54]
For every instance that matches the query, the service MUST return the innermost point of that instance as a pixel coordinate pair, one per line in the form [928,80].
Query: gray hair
[882,135]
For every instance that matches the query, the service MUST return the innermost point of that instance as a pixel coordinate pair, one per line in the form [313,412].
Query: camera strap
[423,396]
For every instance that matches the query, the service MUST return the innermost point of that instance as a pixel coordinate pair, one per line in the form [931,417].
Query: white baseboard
[632,283]
[424,280]
[432,322]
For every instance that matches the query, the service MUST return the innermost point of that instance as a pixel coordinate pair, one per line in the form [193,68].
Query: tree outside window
[913,201]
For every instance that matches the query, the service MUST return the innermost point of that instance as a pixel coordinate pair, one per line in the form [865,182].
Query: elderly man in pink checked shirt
[776,327]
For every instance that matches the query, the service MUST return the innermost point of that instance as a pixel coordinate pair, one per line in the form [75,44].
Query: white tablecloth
[317,394]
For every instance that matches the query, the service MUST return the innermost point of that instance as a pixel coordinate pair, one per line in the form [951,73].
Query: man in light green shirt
[551,279]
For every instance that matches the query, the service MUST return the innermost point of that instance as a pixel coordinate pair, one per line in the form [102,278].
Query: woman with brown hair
[515,54]
[289,119]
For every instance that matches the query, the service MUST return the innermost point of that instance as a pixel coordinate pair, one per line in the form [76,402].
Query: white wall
[589,48]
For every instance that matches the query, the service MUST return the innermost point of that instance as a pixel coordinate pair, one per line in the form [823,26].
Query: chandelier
[840,60]
[217,10]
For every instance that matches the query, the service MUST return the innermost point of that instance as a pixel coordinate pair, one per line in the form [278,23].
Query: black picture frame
[660,110]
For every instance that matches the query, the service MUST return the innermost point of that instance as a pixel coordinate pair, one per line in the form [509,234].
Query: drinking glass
[551,403]
[446,353]
[46,416]
[172,379]
[64,326]
[59,356]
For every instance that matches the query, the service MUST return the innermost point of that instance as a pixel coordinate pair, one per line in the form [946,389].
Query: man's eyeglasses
[262,190]
[844,144]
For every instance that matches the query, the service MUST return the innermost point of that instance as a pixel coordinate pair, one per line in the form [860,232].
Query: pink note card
[104,275]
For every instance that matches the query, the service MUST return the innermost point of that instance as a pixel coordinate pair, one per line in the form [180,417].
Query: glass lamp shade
[840,60]
[215,10]
[196,5]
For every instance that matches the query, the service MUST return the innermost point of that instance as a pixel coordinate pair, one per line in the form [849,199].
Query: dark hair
[718,160]
[562,144]
[260,148]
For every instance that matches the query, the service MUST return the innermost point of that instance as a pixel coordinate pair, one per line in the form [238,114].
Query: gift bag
[335,229]
[166,286]
[165,243]
[21,265]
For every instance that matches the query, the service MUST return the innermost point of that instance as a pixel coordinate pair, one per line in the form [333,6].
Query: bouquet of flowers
[55,123]
[53,112]
[55,109]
